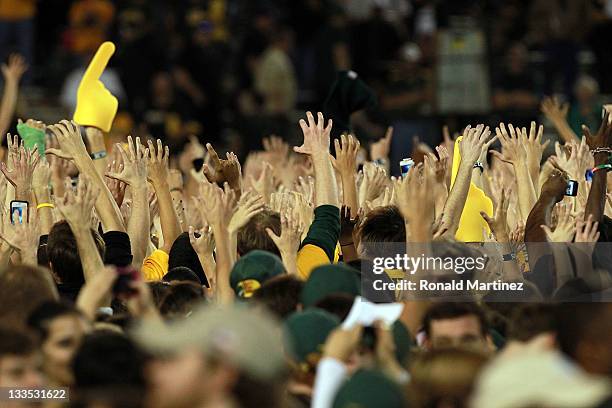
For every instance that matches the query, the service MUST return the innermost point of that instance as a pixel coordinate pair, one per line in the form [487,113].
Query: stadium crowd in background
[142,267]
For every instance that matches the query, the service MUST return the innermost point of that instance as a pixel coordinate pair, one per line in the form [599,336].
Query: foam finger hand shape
[96,106]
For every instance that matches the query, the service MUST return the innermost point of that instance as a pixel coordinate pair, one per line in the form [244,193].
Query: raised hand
[157,166]
[224,170]
[578,161]
[218,205]
[24,164]
[565,228]
[602,138]
[249,205]
[534,145]
[586,232]
[69,138]
[472,143]
[264,184]
[316,136]
[346,154]
[14,69]
[555,186]
[289,240]
[513,145]
[96,106]
[415,199]
[76,207]
[276,148]
[134,172]
[22,237]
[554,109]
[204,243]
[116,187]
[498,224]
[373,184]
[380,149]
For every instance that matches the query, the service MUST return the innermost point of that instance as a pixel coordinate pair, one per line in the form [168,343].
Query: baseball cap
[252,270]
[369,389]
[307,332]
[250,339]
[330,279]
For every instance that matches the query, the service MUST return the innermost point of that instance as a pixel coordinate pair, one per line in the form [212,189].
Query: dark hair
[159,289]
[528,320]
[63,253]
[254,236]
[40,317]
[107,358]
[581,322]
[451,310]
[280,295]
[22,289]
[181,274]
[181,299]
[183,254]
[383,224]
[15,343]
[338,304]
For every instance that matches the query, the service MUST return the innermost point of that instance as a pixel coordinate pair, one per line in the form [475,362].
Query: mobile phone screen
[19,211]
[572,188]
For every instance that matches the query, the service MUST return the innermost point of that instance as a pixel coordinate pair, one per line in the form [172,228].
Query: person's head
[384,224]
[586,89]
[252,270]
[106,358]
[60,329]
[444,377]
[211,357]
[460,324]
[280,295]
[529,320]
[584,333]
[182,254]
[63,254]
[22,289]
[369,389]
[306,333]
[19,360]
[283,38]
[330,279]
[181,274]
[181,299]
[254,236]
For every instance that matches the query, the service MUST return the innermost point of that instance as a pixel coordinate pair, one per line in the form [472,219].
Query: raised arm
[470,146]
[157,171]
[72,147]
[346,164]
[13,71]
[596,202]
[134,174]
[76,209]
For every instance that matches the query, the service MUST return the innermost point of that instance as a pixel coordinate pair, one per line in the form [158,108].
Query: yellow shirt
[311,256]
[155,266]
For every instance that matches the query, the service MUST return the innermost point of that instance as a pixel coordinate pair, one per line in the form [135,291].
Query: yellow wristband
[44,205]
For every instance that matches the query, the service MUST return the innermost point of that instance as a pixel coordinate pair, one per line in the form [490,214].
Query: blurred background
[233,71]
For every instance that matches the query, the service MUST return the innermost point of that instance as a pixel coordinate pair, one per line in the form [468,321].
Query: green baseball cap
[330,279]
[369,389]
[306,332]
[252,270]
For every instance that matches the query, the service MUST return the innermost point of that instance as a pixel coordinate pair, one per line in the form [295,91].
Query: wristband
[588,175]
[44,205]
[380,162]
[509,257]
[98,155]
[479,165]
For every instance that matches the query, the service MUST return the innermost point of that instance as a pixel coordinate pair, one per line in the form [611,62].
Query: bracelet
[44,205]
[509,257]
[479,165]
[600,167]
[601,150]
[98,155]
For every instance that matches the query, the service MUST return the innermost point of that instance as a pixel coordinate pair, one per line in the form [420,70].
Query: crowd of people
[160,270]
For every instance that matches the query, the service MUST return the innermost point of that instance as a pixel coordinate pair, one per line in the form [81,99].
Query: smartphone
[123,284]
[19,211]
[406,165]
[572,188]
